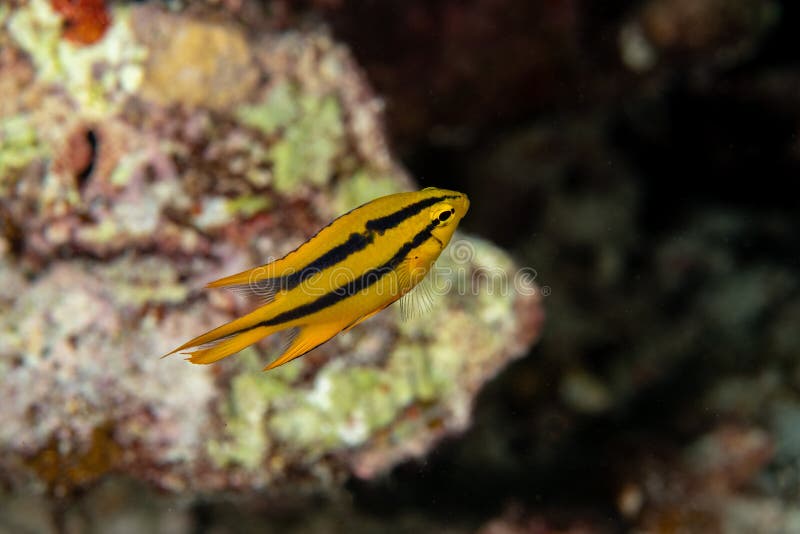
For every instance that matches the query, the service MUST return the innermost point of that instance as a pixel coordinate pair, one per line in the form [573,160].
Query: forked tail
[225,340]
[234,336]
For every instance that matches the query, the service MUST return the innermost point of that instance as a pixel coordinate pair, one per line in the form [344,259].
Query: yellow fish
[350,270]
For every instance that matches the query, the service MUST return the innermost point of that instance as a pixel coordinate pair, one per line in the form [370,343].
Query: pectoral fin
[416,288]
[418,301]
[306,339]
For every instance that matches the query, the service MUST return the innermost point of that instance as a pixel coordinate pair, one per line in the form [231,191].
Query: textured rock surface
[132,171]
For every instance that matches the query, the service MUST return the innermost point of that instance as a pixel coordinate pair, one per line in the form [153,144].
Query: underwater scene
[399,266]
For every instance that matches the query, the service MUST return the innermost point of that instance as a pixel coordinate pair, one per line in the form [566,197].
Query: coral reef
[169,152]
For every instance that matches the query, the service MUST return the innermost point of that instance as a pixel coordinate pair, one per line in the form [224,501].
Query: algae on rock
[127,200]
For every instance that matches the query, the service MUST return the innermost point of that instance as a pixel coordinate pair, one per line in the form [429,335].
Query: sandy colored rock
[193,62]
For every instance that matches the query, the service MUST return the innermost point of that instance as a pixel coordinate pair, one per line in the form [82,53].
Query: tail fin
[227,346]
[226,339]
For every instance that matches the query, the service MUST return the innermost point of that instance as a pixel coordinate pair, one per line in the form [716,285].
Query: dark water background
[527,105]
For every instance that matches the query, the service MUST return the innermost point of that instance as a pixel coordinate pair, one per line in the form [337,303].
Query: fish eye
[443,214]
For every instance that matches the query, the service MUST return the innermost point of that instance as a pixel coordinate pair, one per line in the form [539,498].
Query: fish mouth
[464,204]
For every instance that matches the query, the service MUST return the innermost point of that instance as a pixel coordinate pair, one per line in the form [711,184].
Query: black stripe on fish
[267,288]
[355,243]
[351,288]
[358,242]
[387,222]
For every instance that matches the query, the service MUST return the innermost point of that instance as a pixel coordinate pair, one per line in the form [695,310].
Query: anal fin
[306,339]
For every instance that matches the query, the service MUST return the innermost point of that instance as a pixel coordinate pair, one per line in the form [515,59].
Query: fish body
[350,270]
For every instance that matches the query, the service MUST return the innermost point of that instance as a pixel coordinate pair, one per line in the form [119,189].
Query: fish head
[446,214]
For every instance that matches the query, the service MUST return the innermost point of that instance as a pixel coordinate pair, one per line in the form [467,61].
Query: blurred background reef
[634,155]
